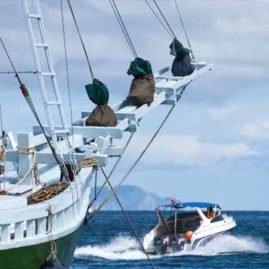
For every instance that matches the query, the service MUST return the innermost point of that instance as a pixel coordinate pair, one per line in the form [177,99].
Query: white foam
[228,244]
[127,248]
[120,248]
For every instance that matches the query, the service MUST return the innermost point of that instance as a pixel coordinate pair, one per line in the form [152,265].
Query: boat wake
[127,248]
[229,245]
[119,248]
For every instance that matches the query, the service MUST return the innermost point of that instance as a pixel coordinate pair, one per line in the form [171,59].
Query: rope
[47,193]
[127,218]
[53,246]
[157,17]
[2,153]
[81,40]
[1,124]
[184,29]
[19,72]
[32,107]
[71,156]
[168,25]
[28,99]
[3,165]
[123,27]
[112,170]
[26,151]
[135,163]
[89,162]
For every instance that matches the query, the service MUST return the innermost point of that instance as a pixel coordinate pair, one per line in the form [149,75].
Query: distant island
[132,198]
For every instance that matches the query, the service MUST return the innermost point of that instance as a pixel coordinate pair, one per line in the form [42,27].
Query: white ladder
[46,74]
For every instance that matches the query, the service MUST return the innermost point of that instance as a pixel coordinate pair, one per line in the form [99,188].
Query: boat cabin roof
[192,204]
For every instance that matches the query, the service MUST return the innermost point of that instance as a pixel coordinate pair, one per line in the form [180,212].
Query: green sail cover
[97,92]
[139,68]
[177,49]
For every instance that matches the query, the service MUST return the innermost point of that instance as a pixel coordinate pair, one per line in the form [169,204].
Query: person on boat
[210,213]
[182,65]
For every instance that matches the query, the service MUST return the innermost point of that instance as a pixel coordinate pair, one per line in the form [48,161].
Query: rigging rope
[135,163]
[29,101]
[112,170]
[168,25]
[123,27]
[48,192]
[32,169]
[19,72]
[184,29]
[127,218]
[72,156]
[81,40]
[157,17]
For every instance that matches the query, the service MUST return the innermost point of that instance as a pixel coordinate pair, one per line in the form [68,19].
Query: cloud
[218,113]
[256,131]
[189,150]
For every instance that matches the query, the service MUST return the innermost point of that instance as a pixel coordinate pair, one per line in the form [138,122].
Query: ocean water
[108,242]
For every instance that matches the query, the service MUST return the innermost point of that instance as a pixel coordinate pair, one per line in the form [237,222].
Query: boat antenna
[123,27]
[30,103]
[184,29]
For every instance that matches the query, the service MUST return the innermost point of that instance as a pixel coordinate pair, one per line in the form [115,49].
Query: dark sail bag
[182,65]
[102,116]
[142,90]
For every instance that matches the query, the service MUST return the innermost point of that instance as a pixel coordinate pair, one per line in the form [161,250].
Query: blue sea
[108,242]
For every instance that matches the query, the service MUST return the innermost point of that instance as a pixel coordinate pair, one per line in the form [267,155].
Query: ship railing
[20,222]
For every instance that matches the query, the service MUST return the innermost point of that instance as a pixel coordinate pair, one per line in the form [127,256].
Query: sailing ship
[45,198]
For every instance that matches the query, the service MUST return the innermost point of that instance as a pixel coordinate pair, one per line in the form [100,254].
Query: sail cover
[177,49]
[97,92]
[139,68]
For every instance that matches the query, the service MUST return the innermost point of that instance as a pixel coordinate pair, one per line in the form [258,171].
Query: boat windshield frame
[188,205]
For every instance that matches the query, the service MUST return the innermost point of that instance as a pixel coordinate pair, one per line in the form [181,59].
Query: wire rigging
[73,159]
[135,163]
[184,29]
[19,72]
[123,27]
[30,103]
[81,40]
[66,64]
[127,218]
[1,122]
[168,25]
[112,170]
[157,17]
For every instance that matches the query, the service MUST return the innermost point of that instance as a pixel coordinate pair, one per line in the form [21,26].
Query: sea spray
[119,248]
[127,248]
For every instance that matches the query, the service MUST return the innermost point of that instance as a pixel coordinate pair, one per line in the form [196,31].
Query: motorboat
[185,226]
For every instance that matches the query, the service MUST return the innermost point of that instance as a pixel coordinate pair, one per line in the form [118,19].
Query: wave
[229,244]
[127,248]
[119,248]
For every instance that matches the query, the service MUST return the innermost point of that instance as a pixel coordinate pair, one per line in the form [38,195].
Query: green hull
[33,257]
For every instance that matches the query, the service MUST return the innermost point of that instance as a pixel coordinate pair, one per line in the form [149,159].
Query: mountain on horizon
[132,198]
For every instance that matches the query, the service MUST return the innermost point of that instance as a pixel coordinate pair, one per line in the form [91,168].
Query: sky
[215,145]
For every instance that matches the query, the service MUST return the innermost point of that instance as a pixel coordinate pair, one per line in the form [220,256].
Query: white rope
[32,168]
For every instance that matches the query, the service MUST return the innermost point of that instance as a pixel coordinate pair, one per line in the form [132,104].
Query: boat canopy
[192,204]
